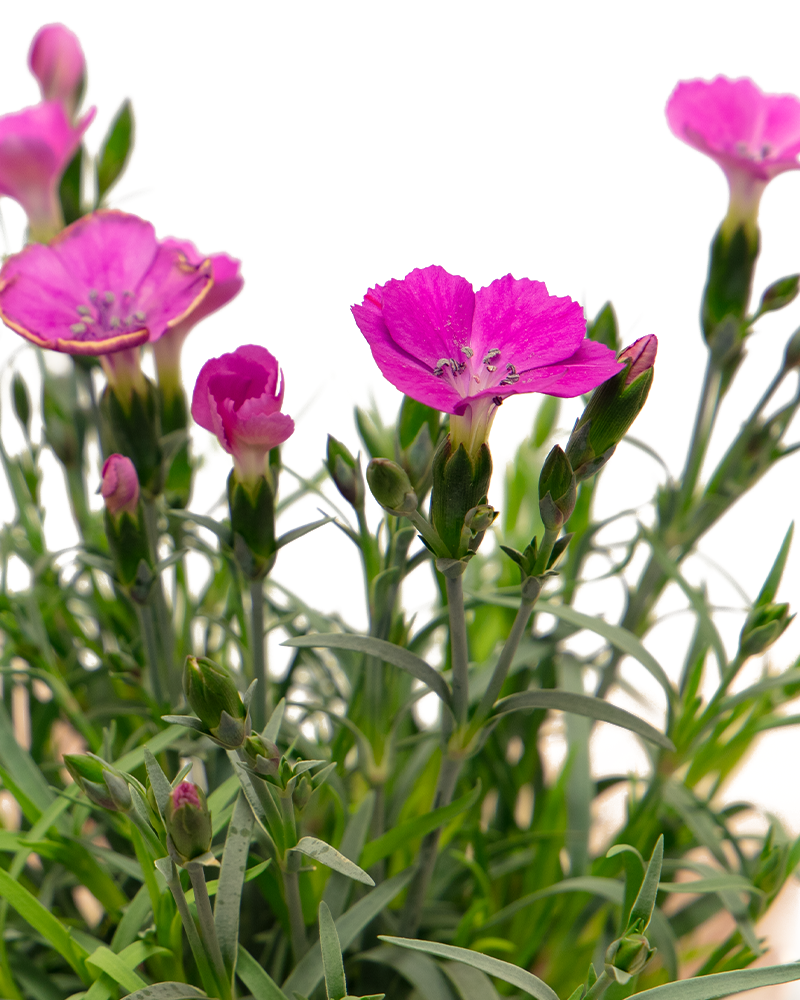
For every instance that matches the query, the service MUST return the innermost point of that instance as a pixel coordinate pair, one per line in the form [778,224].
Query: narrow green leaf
[509,973]
[327,855]
[642,909]
[273,727]
[256,979]
[388,652]
[291,536]
[43,921]
[21,765]
[115,150]
[308,972]
[231,880]
[771,584]
[582,704]
[132,921]
[723,984]
[332,964]
[422,972]
[714,883]
[167,991]
[417,827]
[471,983]
[338,886]
[161,741]
[115,966]
[158,782]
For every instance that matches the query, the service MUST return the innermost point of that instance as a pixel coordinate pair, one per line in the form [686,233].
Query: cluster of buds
[102,784]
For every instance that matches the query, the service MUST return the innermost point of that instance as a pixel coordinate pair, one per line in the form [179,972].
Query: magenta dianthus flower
[104,286]
[753,136]
[463,352]
[238,397]
[56,60]
[227,284]
[36,145]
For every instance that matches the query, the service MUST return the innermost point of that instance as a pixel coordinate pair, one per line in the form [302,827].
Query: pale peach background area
[335,145]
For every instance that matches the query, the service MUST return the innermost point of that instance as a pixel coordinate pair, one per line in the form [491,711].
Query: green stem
[154,661]
[208,930]
[703,426]
[459,657]
[445,786]
[504,662]
[258,706]
[166,644]
[601,985]
[291,885]
[545,550]
[200,957]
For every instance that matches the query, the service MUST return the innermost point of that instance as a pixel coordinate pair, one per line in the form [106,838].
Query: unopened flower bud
[215,700]
[120,485]
[22,402]
[101,782]
[611,410]
[345,471]
[188,821]
[391,487]
[557,490]
[302,792]
[57,61]
[791,358]
[480,518]
[627,956]
[262,755]
[764,626]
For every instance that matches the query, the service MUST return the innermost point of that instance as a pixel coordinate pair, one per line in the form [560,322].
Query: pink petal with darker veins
[228,281]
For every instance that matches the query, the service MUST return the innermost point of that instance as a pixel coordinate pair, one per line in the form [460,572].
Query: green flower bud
[764,625]
[252,509]
[22,402]
[627,956]
[262,756]
[345,471]
[215,700]
[791,358]
[391,487]
[557,490]
[101,782]
[188,821]
[779,294]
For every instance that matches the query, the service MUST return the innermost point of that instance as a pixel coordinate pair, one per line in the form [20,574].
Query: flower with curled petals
[463,352]
[104,286]
[238,397]
[36,145]
[753,136]
[56,60]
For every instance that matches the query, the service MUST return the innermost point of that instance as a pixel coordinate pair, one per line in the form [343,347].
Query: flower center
[471,377]
[756,155]
[106,315]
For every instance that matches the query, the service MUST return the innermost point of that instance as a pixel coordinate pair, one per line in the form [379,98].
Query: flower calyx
[627,956]
[261,756]
[213,696]
[557,490]
[252,510]
[103,784]
[460,487]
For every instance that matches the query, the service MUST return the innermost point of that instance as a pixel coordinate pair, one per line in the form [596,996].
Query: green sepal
[729,282]
[558,490]
[180,464]
[252,510]
[130,549]
[135,431]
[459,484]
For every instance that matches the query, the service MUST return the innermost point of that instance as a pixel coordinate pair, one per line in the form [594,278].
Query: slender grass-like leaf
[509,973]
[387,652]
[21,765]
[470,983]
[295,533]
[167,991]
[43,921]
[273,727]
[308,972]
[401,834]
[723,984]
[714,883]
[120,967]
[329,856]
[422,972]
[158,782]
[332,964]
[355,834]
[582,704]
[261,985]
[642,909]
[161,741]
[231,879]
[132,921]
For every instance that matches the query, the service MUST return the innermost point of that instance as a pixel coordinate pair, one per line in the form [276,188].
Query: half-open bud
[188,821]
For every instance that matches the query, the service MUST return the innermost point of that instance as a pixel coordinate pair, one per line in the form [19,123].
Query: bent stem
[208,930]
[259,704]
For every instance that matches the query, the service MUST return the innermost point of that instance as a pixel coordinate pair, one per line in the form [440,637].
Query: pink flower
[104,285]
[120,485]
[36,146]
[227,284]
[56,60]
[238,397]
[463,352]
[753,136]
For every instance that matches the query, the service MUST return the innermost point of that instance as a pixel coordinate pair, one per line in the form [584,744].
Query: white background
[333,146]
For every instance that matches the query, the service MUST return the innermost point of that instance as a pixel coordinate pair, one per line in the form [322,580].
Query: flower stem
[166,644]
[200,956]
[291,886]
[503,663]
[258,706]
[154,661]
[459,657]
[701,434]
[602,983]
[208,930]
[448,776]
[545,550]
